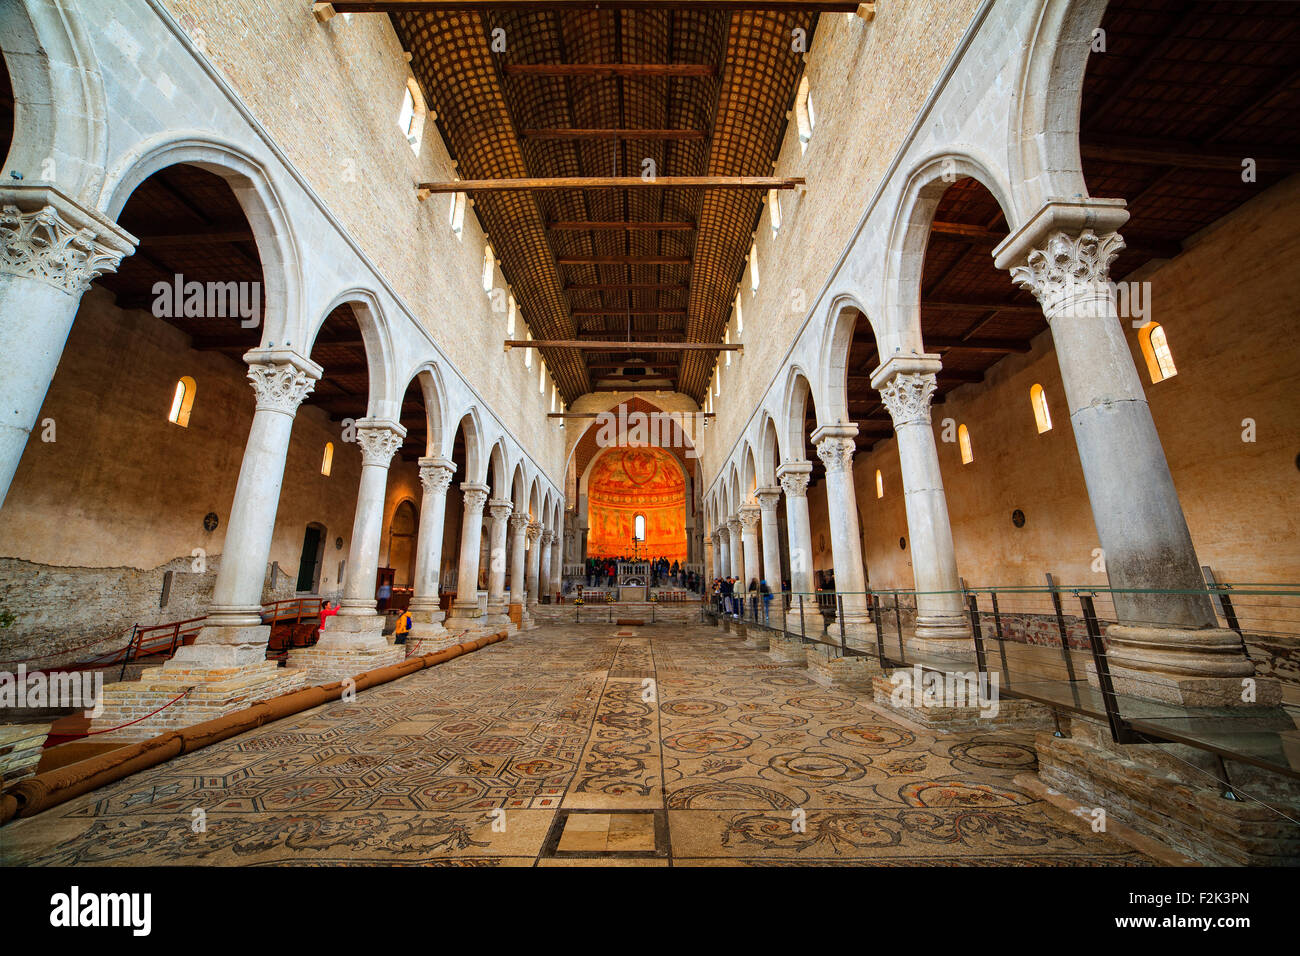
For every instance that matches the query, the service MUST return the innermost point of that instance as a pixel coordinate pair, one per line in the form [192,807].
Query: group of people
[604,571]
[729,595]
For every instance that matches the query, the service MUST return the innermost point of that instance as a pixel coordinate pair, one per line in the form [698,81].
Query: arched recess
[429,379]
[621,481]
[283,320]
[499,471]
[769,452]
[372,325]
[749,475]
[844,328]
[59,103]
[403,528]
[795,432]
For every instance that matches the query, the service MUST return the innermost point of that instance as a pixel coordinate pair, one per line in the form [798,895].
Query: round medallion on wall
[1018,518]
[210,521]
[338,544]
[902,544]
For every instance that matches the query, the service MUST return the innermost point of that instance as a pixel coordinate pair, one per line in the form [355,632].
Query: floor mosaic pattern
[581,745]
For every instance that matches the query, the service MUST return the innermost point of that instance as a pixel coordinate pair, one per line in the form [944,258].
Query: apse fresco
[626,482]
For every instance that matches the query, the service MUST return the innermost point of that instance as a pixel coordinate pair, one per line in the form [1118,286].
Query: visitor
[402,628]
[766,593]
[327,609]
[753,597]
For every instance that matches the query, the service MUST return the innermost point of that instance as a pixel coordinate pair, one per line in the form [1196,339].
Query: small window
[726,340]
[1043,417]
[489,268]
[1155,347]
[774,209]
[511,310]
[528,353]
[753,268]
[740,316]
[327,463]
[805,118]
[182,402]
[541,377]
[963,442]
[638,527]
[458,202]
[880,484]
[410,118]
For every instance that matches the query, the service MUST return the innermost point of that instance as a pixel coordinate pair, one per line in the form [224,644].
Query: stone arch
[1044,122]
[498,469]
[431,387]
[798,389]
[60,110]
[475,454]
[769,450]
[284,323]
[832,398]
[910,234]
[373,323]
[748,473]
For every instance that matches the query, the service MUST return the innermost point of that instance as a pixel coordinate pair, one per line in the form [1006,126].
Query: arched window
[410,119]
[740,316]
[774,209]
[541,377]
[726,340]
[327,463]
[528,353]
[638,527]
[182,402]
[489,266]
[880,484]
[803,113]
[458,202]
[963,442]
[753,268]
[511,310]
[1155,347]
[1043,417]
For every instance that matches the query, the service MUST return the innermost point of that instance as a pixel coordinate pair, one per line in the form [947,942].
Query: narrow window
[1038,398]
[410,119]
[327,463]
[774,209]
[511,309]
[880,484]
[489,265]
[740,316]
[726,340]
[803,113]
[182,402]
[753,268]
[528,353]
[458,214]
[963,441]
[1155,347]
[541,377]
[638,527]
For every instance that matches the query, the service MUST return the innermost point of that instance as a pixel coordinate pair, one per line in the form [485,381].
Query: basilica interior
[761,432]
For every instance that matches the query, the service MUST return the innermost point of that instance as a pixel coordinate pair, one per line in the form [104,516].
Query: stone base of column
[853,673]
[520,617]
[785,649]
[1155,791]
[942,640]
[212,692]
[937,702]
[1191,667]
[348,646]
[497,617]
[430,643]
[223,647]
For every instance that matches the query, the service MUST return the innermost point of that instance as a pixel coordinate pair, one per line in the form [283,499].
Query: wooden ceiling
[1182,94]
[699,89]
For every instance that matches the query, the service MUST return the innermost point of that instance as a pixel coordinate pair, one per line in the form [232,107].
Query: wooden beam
[555,133]
[980,306]
[604,345]
[626,287]
[196,238]
[479,6]
[624,260]
[684,416]
[978,345]
[530,184]
[610,69]
[619,226]
[620,312]
[1185,155]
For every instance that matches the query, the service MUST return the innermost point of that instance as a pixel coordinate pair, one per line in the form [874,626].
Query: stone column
[497,615]
[544,563]
[767,502]
[749,518]
[51,249]
[358,625]
[835,448]
[716,570]
[234,634]
[793,476]
[1168,644]
[426,615]
[557,566]
[906,385]
[735,549]
[532,532]
[518,524]
[464,610]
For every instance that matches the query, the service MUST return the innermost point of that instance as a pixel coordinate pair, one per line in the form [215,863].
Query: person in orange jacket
[402,628]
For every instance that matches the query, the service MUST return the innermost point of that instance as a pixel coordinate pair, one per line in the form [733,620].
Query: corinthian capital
[793,476]
[500,509]
[768,498]
[435,475]
[547,537]
[476,496]
[533,531]
[58,243]
[517,523]
[1067,267]
[837,454]
[907,396]
[749,518]
[379,441]
[279,386]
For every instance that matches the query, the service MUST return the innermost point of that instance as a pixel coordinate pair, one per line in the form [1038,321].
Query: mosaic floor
[580,745]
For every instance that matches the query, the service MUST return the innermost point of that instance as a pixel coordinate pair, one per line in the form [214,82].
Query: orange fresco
[626,482]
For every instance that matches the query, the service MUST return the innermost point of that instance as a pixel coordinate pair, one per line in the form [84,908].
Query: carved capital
[749,518]
[476,497]
[279,386]
[47,244]
[500,509]
[733,526]
[378,444]
[547,537]
[795,484]
[907,397]
[435,475]
[768,498]
[836,454]
[1068,269]
[533,531]
[517,522]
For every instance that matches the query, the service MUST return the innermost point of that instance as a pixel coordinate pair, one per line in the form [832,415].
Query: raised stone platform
[786,650]
[1008,714]
[323,665]
[827,668]
[20,750]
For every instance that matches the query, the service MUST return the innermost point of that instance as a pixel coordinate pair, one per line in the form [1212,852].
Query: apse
[625,483]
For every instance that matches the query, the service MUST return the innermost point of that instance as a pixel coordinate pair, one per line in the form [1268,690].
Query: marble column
[358,624]
[500,510]
[557,565]
[749,518]
[906,385]
[464,610]
[716,570]
[767,502]
[793,476]
[234,634]
[736,551]
[1167,644]
[426,614]
[835,447]
[51,249]
[544,563]
[532,532]
[518,523]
